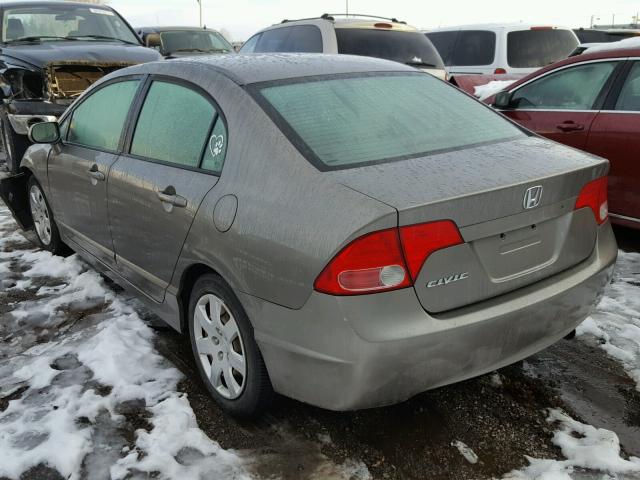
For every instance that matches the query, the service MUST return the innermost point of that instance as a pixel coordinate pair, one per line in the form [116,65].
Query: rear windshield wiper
[105,37]
[420,64]
[37,38]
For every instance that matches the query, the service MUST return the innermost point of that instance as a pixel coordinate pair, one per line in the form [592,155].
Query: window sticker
[216,145]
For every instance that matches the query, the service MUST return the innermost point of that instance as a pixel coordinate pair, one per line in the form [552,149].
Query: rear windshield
[341,122]
[602,36]
[411,48]
[465,47]
[537,48]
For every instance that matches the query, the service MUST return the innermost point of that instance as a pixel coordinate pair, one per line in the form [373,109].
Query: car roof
[250,68]
[51,3]
[352,21]
[172,29]
[493,26]
[585,57]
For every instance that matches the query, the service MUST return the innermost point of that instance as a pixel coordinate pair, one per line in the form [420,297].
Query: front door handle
[95,174]
[570,126]
[172,198]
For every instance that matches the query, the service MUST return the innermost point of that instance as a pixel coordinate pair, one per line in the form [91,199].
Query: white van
[501,48]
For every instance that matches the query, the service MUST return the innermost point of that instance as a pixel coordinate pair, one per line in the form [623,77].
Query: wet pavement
[501,417]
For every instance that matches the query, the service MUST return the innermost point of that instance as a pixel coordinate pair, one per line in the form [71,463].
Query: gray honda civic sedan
[345,231]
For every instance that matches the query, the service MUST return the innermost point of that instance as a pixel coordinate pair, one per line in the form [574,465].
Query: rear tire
[225,351]
[43,222]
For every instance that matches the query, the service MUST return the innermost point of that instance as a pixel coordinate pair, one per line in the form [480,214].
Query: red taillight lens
[499,71]
[386,260]
[421,240]
[594,196]
[370,263]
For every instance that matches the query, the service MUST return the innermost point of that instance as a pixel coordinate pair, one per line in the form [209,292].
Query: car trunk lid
[482,189]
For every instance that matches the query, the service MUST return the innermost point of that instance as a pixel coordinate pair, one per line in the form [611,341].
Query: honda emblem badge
[532,197]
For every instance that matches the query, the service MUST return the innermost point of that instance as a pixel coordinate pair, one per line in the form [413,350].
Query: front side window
[56,22]
[574,88]
[354,120]
[173,125]
[537,48]
[629,98]
[99,120]
[411,48]
[297,38]
[250,45]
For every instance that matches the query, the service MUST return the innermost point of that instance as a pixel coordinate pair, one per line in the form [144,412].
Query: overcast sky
[241,18]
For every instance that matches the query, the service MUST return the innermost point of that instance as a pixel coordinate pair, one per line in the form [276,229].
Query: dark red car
[590,102]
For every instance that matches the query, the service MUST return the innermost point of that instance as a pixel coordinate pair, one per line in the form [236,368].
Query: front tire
[225,351]
[43,221]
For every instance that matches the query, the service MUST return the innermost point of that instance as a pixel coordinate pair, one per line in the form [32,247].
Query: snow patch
[632,42]
[584,447]
[469,455]
[616,320]
[491,88]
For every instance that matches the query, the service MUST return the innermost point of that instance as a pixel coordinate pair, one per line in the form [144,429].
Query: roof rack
[331,16]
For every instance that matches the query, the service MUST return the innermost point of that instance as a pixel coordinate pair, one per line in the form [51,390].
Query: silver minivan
[515,49]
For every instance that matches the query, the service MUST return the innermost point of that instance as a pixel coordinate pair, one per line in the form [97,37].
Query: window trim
[87,95]
[600,98]
[139,104]
[299,144]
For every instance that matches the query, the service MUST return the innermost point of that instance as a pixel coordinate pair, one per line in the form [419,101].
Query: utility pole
[347,7]
[200,7]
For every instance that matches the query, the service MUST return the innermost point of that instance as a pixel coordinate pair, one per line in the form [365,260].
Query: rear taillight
[385,260]
[421,240]
[594,196]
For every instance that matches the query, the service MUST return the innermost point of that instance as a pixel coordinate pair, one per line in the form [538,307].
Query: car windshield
[355,120]
[539,47]
[412,48]
[194,41]
[56,22]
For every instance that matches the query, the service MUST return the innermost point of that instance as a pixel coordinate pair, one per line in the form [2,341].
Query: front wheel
[43,222]
[225,351]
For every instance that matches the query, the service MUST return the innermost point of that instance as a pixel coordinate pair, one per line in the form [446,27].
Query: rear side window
[174,125]
[98,121]
[574,88]
[538,48]
[444,43]
[298,38]
[250,45]
[629,98]
[348,121]
[411,48]
[474,48]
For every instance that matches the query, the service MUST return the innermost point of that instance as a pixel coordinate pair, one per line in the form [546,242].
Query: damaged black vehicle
[50,52]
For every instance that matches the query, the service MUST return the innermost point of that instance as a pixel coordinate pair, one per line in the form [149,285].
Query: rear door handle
[172,199]
[570,127]
[95,174]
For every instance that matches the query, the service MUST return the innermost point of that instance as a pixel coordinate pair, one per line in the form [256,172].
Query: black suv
[50,52]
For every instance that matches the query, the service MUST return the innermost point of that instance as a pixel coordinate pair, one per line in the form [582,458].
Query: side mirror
[44,132]
[503,100]
[152,40]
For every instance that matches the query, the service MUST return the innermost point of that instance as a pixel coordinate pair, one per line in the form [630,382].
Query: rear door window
[173,125]
[411,48]
[444,43]
[474,48]
[99,120]
[574,88]
[297,38]
[355,120]
[629,98]
[539,48]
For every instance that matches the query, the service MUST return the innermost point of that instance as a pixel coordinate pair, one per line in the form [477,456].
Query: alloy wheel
[40,214]
[220,347]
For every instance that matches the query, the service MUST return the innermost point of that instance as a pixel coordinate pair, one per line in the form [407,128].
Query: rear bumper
[346,353]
